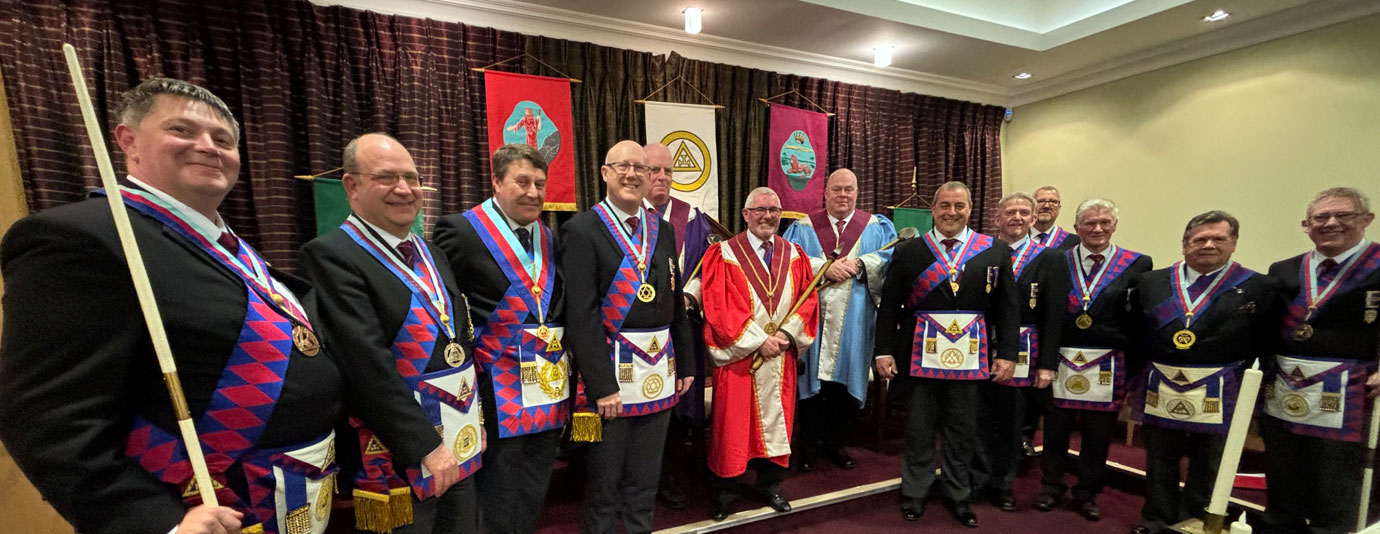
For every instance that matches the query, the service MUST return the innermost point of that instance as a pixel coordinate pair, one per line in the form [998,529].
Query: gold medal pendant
[544,333]
[1184,339]
[1032,304]
[954,286]
[1083,321]
[770,328]
[455,354]
[305,340]
[1303,332]
[646,293]
[1369,316]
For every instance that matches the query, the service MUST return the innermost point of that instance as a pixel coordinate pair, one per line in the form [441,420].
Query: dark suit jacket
[896,319]
[590,257]
[1237,326]
[479,277]
[1114,322]
[1047,270]
[77,365]
[1069,242]
[1339,327]
[364,306]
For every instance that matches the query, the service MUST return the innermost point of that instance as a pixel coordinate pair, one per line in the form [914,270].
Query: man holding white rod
[82,407]
[1201,321]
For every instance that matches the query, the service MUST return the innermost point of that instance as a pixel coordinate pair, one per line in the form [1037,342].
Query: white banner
[688,130]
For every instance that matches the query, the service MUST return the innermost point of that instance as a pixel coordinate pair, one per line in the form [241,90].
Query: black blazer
[1046,270]
[364,306]
[896,320]
[1339,327]
[1114,321]
[77,365]
[1238,326]
[590,257]
[479,277]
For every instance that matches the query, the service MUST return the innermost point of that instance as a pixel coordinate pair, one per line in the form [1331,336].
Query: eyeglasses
[1048,202]
[390,179]
[764,211]
[1343,217]
[623,168]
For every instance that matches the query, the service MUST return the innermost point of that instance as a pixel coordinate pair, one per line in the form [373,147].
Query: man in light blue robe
[838,365]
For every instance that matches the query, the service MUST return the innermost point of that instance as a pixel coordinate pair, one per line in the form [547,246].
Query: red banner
[535,110]
[797,158]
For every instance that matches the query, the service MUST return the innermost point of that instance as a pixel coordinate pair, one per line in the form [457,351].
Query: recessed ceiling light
[881,56]
[1216,16]
[1022,76]
[692,19]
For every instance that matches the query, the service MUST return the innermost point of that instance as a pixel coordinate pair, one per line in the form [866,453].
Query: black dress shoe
[964,514]
[777,502]
[1028,447]
[1047,501]
[913,509]
[1089,510]
[842,459]
[1005,501]
[720,511]
[670,495]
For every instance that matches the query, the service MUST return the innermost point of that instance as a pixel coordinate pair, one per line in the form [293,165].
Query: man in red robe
[750,285]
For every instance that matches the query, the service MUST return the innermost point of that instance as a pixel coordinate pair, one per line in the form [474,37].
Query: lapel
[195,251]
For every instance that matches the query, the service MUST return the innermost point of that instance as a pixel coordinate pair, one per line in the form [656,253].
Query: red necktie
[1327,270]
[232,243]
[949,245]
[840,225]
[408,252]
[632,226]
[1097,264]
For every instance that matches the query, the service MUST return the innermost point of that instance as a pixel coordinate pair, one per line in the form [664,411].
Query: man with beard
[1041,283]
[750,285]
[838,366]
[627,321]
[504,263]
[693,228]
[943,295]
[1091,363]
[1201,321]
[1314,397]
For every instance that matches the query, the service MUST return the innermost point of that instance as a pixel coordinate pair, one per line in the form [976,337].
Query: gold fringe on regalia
[586,427]
[376,512]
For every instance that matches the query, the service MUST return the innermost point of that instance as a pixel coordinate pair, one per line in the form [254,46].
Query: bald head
[659,159]
[625,174]
[841,193]
[382,183]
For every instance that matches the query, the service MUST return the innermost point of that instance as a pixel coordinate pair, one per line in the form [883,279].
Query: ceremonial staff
[140,276]
[1231,458]
[906,233]
[1364,510]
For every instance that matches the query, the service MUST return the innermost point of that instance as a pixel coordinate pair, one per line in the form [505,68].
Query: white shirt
[205,227]
[757,247]
[1017,245]
[1083,256]
[388,238]
[834,221]
[962,237]
[513,225]
[1318,257]
[1036,234]
[620,215]
[1191,275]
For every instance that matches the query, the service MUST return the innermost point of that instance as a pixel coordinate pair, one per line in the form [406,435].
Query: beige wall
[1256,132]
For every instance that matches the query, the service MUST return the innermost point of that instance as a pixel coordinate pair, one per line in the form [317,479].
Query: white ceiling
[957,48]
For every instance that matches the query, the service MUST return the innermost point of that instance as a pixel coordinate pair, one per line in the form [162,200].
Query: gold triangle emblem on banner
[655,347]
[1079,358]
[684,161]
[374,446]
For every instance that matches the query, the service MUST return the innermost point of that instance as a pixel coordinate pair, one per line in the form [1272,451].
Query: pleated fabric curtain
[305,79]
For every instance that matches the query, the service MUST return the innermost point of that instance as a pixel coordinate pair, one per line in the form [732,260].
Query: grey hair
[1350,193]
[1017,196]
[348,162]
[952,185]
[1213,217]
[1095,204]
[136,104]
[752,195]
[1047,188]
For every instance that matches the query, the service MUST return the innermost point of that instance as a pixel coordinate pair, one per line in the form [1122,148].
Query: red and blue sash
[1057,238]
[838,245]
[1020,257]
[412,348]
[938,272]
[1172,310]
[246,393]
[1354,272]
[1111,269]
[502,334]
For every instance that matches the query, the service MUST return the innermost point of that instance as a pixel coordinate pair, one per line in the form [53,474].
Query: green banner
[922,220]
[333,206]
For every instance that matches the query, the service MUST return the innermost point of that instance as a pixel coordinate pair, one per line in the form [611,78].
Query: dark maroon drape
[304,79]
